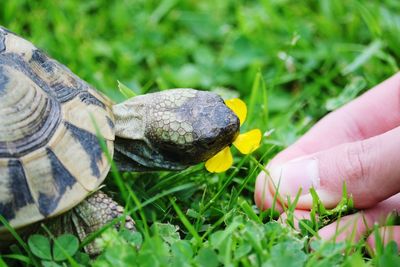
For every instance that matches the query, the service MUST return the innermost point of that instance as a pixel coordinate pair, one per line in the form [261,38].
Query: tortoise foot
[90,216]
[94,213]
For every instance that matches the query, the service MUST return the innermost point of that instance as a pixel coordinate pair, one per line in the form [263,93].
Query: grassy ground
[291,61]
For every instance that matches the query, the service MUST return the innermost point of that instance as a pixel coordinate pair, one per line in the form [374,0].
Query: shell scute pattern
[3,80]
[2,40]
[50,157]
[28,116]
[17,185]
[62,179]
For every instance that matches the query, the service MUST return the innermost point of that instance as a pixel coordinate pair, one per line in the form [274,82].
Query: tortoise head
[172,129]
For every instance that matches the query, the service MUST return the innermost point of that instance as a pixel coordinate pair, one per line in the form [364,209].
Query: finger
[350,228]
[369,169]
[373,113]
[298,215]
[386,234]
[264,198]
[355,226]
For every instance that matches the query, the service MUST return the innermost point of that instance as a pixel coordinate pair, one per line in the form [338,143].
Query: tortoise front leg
[93,213]
[88,217]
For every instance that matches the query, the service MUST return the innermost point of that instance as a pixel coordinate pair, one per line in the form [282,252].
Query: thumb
[370,169]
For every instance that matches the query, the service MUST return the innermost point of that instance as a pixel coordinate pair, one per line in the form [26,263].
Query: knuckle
[354,167]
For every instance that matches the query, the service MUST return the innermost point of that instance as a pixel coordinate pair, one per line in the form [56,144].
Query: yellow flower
[245,143]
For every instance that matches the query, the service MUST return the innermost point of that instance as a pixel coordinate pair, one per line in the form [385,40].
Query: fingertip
[298,215]
[261,191]
[385,235]
[263,196]
[296,178]
[329,199]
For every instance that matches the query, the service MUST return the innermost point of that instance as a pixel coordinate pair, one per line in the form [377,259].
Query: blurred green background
[314,47]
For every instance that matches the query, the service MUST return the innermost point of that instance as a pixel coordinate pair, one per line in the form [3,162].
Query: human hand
[355,226]
[357,145]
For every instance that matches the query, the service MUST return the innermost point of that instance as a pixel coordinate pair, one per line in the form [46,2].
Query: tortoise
[51,123]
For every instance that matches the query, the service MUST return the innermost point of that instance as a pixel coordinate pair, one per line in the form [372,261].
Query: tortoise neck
[129,120]
[139,155]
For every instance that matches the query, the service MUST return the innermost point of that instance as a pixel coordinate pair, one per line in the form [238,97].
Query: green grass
[291,61]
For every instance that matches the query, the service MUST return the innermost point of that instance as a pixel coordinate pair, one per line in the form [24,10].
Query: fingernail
[295,175]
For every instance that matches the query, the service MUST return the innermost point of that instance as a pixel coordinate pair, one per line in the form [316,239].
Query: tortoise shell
[50,156]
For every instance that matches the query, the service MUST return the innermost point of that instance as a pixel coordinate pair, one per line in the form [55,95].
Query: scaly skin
[88,217]
[171,130]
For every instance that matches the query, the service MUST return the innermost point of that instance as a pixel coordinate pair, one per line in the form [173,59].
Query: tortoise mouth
[200,149]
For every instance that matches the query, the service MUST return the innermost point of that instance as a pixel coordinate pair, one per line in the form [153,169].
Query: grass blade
[186,222]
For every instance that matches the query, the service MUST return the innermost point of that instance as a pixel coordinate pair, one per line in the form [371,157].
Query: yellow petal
[221,161]
[238,107]
[248,142]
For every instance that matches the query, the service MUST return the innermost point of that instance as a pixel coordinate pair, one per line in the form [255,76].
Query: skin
[357,145]
[171,130]
[91,215]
